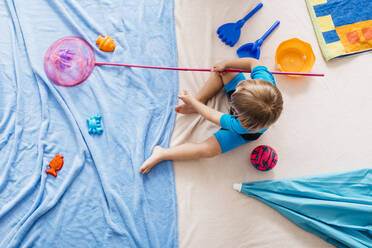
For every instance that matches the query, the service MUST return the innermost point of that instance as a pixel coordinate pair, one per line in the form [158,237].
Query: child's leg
[208,148]
[210,88]
[214,84]
[228,76]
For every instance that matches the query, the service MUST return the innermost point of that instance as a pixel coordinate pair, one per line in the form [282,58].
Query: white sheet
[326,126]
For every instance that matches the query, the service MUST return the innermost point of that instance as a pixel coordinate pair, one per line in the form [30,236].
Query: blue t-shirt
[229,136]
[230,121]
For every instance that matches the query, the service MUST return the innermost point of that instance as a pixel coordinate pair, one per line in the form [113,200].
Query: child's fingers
[218,68]
[178,108]
[144,170]
[185,95]
[182,98]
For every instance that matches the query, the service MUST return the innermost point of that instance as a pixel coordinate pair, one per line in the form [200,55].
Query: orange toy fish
[55,165]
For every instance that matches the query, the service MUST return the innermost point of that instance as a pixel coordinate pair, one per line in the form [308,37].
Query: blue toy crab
[95,125]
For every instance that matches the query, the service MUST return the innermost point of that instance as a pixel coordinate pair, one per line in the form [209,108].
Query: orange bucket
[294,55]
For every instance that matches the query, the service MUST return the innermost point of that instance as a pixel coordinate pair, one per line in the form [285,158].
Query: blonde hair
[258,104]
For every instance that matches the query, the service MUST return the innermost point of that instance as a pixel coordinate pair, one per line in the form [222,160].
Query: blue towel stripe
[330,36]
[345,12]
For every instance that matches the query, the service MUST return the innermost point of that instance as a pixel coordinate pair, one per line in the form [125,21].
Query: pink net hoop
[69,61]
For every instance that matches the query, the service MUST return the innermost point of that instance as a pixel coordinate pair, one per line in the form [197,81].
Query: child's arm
[242,64]
[208,113]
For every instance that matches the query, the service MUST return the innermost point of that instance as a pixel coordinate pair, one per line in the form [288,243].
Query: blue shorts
[231,86]
[229,139]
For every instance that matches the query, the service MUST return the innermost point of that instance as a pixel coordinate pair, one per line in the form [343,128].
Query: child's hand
[219,67]
[185,108]
[187,98]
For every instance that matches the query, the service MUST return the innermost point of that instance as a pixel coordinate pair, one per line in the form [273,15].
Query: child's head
[258,103]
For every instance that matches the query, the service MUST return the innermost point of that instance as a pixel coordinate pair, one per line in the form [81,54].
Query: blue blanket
[99,199]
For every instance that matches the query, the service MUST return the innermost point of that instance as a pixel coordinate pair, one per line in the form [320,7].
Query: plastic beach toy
[264,158]
[95,125]
[55,165]
[106,43]
[252,50]
[229,33]
[70,60]
[294,55]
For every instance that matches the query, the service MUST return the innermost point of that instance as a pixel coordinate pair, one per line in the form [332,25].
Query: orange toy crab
[55,165]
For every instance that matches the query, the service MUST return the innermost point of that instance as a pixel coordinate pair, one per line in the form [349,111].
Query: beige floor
[326,126]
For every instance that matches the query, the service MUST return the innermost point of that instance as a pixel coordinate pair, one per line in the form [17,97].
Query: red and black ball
[264,158]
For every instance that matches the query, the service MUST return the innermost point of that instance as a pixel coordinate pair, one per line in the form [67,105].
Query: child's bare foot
[155,158]
[185,109]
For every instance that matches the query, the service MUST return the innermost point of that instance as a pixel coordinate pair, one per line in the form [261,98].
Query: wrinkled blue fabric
[336,207]
[99,198]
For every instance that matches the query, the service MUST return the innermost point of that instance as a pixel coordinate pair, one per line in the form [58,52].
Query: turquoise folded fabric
[336,207]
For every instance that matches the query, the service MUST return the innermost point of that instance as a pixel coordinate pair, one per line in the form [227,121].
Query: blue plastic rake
[229,33]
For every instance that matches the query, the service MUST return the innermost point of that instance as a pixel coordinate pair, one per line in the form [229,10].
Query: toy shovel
[229,33]
[252,50]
